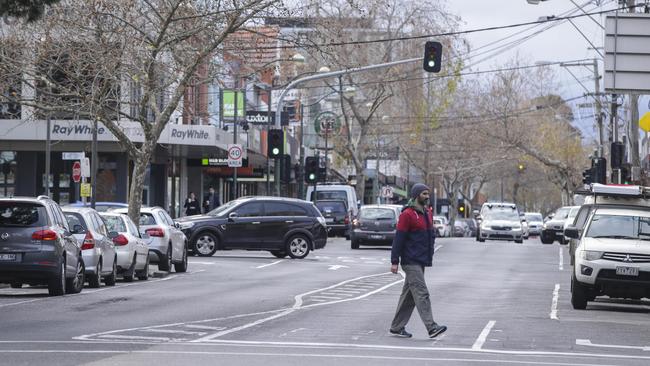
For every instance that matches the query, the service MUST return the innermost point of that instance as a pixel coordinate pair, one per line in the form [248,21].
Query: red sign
[76,172]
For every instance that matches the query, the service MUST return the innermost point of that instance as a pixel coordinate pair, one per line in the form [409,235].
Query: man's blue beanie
[417,189]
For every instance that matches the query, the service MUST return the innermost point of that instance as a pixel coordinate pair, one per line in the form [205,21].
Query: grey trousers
[414,295]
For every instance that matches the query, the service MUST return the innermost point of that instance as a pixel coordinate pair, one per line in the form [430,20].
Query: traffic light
[285,168]
[617,154]
[587,177]
[461,210]
[275,144]
[312,167]
[432,56]
[521,167]
[599,170]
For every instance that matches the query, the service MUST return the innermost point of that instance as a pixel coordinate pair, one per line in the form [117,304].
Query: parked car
[167,243]
[461,229]
[283,226]
[97,248]
[472,225]
[37,248]
[553,229]
[535,222]
[99,206]
[336,216]
[332,191]
[132,250]
[446,232]
[375,225]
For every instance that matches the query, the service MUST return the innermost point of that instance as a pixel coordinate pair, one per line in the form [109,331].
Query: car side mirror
[113,234]
[233,215]
[177,225]
[572,232]
[77,229]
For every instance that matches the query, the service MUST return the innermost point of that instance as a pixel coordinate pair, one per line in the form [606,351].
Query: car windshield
[509,215]
[330,195]
[561,213]
[114,223]
[377,214]
[619,227]
[534,217]
[331,206]
[221,210]
[22,214]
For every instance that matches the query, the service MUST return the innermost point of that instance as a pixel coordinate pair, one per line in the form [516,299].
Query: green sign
[229,104]
[327,123]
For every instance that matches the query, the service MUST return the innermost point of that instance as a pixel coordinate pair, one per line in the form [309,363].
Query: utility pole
[599,111]
[234,140]
[268,159]
[48,152]
[616,171]
[301,158]
[95,162]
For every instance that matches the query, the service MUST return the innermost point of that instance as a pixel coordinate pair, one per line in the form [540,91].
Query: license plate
[381,237]
[627,271]
[329,219]
[7,257]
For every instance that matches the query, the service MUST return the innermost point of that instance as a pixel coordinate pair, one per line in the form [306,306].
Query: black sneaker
[437,330]
[401,333]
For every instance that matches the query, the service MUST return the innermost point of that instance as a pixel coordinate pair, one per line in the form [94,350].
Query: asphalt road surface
[504,303]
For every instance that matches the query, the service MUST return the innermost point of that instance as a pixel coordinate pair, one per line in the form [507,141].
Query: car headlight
[186,225]
[485,227]
[321,219]
[589,255]
[544,226]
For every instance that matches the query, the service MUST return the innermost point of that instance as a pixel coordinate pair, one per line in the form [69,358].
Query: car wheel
[298,246]
[182,266]
[95,280]
[205,244]
[143,275]
[481,240]
[112,278]
[56,286]
[579,294]
[16,285]
[165,263]
[354,244]
[128,275]
[75,284]
[546,238]
[519,241]
[279,253]
[562,241]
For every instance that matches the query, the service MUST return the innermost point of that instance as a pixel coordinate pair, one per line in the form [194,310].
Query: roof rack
[615,190]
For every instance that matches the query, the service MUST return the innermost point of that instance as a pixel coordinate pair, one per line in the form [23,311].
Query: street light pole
[234,140]
[301,162]
[48,152]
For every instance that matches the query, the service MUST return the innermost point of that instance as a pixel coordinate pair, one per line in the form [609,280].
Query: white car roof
[143,209]
[623,212]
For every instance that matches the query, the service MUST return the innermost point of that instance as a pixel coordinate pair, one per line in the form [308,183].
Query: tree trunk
[361,185]
[137,182]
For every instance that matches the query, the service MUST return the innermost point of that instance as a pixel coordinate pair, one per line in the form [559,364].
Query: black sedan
[283,226]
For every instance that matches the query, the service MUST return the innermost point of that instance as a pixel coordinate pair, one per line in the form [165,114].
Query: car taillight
[155,231]
[120,240]
[44,235]
[347,219]
[89,241]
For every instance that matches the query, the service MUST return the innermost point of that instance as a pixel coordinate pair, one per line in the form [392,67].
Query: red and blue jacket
[414,239]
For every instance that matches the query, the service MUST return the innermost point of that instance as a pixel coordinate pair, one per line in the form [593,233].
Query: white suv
[612,256]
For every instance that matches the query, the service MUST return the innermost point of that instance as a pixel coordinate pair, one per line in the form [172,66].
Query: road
[504,303]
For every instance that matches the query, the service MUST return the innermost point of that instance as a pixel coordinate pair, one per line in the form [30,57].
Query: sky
[560,43]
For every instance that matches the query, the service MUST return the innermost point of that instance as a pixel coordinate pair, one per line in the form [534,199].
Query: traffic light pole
[301,162]
[321,76]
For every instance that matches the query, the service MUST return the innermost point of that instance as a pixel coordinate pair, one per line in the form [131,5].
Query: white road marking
[437,247]
[269,264]
[173,331]
[335,267]
[587,342]
[561,260]
[195,326]
[208,263]
[115,336]
[242,327]
[325,297]
[556,296]
[478,344]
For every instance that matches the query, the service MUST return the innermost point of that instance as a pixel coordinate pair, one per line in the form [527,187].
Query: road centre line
[561,260]
[556,296]
[478,344]
[303,355]
[269,264]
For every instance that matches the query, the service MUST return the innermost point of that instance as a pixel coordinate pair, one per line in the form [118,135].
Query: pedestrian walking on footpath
[192,205]
[413,247]
[211,201]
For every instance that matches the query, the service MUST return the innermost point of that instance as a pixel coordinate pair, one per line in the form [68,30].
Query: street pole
[95,162]
[234,141]
[327,133]
[599,112]
[301,162]
[616,176]
[48,152]
[268,160]
[321,76]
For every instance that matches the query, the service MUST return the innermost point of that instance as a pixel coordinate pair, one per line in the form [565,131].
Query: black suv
[277,224]
[336,216]
[36,246]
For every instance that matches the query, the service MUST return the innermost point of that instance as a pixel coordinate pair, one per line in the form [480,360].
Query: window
[147,219]
[18,214]
[115,223]
[330,195]
[132,229]
[377,214]
[161,218]
[534,217]
[619,227]
[561,213]
[75,219]
[581,219]
[284,209]
[59,219]
[332,206]
[167,218]
[250,210]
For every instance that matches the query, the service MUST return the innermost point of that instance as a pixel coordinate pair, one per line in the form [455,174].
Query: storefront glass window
[7,173]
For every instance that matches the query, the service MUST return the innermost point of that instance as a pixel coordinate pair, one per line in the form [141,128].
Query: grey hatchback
[36,246]
[375,225]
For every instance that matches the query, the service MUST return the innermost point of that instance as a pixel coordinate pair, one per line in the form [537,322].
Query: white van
[335,192]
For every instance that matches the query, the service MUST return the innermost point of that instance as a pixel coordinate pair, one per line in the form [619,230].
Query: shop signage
[229,104]
[73,155]
[209,162]
[261,118]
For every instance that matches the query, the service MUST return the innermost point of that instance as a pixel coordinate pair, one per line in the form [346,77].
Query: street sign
[76,172]
[85,167]
[327,123]
[235,154]
[85,190]
[73,155]
[387,191]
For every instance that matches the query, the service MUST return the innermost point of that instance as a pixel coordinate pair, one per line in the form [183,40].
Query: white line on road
[556,296]
[174,331]
[483,336]
[269,264]
[195,326]
[561,259]
[587,342]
